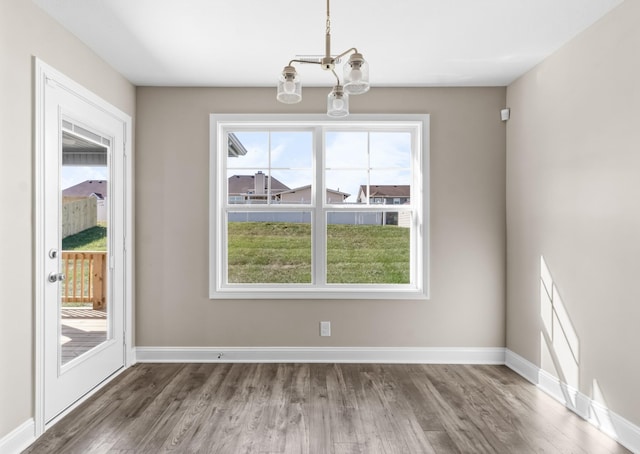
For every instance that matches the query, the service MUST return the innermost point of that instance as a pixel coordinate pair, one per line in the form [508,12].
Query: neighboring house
[90,188]
[386,194]
[255,189]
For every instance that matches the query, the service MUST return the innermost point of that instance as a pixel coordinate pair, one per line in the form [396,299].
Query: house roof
[235,147]
[87,188]
[245,184]
[387,190]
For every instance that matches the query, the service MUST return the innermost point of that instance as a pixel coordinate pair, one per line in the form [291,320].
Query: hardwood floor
[321,408]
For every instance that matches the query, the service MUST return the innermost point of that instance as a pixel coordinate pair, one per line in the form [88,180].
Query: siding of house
[303,195]
[299,196]
[26,31]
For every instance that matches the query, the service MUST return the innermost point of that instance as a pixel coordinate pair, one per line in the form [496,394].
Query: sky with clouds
[351,158]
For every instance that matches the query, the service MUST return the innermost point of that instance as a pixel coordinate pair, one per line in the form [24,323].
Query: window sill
[331,293]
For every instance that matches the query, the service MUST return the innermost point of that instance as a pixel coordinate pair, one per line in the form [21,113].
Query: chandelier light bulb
[338,102]
[356,75]
[289,86]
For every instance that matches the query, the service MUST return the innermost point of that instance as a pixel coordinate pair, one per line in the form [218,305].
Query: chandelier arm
[353,49]
[313,62]
[337,78]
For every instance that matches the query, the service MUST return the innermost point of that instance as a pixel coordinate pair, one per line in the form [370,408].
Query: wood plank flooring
[321,408]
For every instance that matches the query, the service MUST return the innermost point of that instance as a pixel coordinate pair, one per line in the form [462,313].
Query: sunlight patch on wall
[598,412]
[558,338]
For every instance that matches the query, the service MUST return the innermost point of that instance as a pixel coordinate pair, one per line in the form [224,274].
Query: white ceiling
[247,42]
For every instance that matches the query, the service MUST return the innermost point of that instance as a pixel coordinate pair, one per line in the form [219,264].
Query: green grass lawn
[92,239]
[280,252]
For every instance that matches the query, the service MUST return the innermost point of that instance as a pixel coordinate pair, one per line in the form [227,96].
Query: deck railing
[86,278]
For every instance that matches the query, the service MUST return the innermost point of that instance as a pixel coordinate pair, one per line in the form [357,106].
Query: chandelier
[356,77]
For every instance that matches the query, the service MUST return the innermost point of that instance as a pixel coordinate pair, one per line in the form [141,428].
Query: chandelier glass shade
[355,76]
[338,102]
[289,86]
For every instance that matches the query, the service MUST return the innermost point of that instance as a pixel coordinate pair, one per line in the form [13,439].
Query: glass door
[84,257]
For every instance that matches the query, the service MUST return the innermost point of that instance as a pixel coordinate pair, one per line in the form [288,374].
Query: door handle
[55,277]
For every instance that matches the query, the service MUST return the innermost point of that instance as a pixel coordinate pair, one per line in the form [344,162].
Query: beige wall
[467,228]
[573,197]
[26,31]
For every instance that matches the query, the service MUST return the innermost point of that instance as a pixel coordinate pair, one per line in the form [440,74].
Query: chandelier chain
[328,19]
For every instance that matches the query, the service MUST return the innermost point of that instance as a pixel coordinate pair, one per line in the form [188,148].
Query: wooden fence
[86,278]
[78,215]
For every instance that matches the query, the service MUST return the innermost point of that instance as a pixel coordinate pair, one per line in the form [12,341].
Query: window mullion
[368,168]
[319,225]
[269,175]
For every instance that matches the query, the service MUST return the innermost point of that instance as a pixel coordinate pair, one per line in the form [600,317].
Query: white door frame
[45,74]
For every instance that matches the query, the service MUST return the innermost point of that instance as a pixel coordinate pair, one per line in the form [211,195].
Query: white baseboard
[521,366]
[383,355]
[612,424]
[19,438]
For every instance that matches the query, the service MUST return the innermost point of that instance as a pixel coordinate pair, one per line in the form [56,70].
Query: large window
[308,207]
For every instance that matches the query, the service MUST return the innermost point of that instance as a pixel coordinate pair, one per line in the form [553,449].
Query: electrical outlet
[325,328]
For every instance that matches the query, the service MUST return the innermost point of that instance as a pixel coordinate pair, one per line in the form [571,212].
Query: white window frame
[418,288]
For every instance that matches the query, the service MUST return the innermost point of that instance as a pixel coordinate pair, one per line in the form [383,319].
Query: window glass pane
[390,150]
[248,150]
[292,150]
[346,150]
[343,182]
[291,186]
[391,177]
[269,247]
[361,249]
